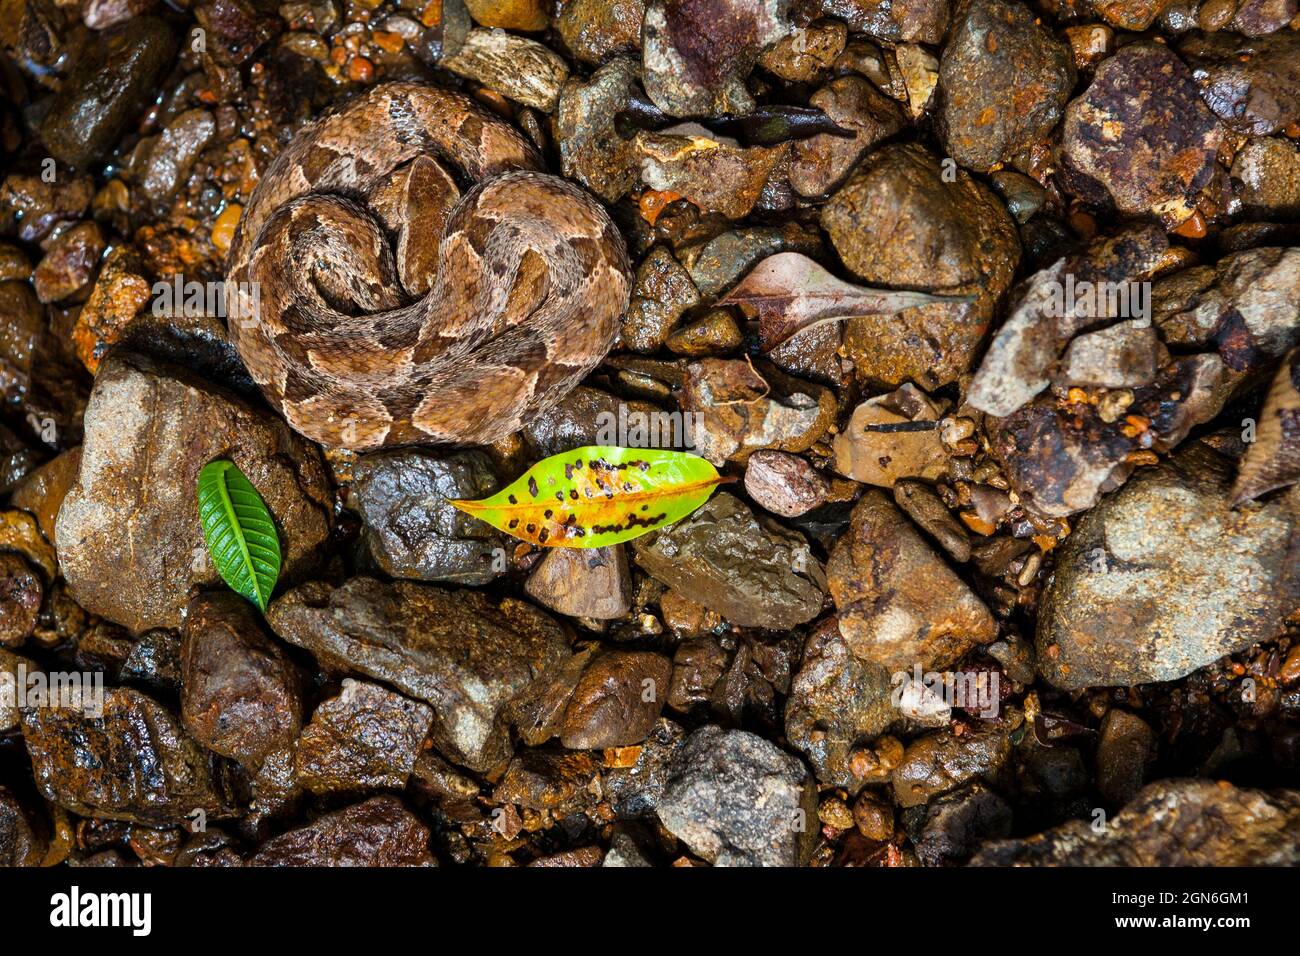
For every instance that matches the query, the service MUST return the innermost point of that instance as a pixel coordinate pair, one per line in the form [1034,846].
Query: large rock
[737,800]
[378,833]
[241,696]
[128,534]
[900,222]
[750,570]
[458,650]
[1003,82]
[900,604]
[1164,577]
[1170,823]
[113,79]
[410,526]
[135,763]
[1140,139]
[697,53]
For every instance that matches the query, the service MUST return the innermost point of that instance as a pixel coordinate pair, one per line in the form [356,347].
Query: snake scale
[419,278]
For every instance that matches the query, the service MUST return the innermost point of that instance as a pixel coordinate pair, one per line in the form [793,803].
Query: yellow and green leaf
[598,495]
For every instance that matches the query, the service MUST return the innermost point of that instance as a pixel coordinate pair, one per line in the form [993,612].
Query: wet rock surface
[241,696]
[976,569]
[150,428]
[898,221]
[1170,823]
[367,736]
[898,602]
[410,529]
[837,700]
[455,650]
[1191,578]
[134,763]
[378,832]
[1166,156]
[726,559]
[736,800]
[1004,80]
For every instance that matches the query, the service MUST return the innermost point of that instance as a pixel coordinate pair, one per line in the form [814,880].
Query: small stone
[878,447]
[1132,15]
[1269,173]
[150,427]
[410,528]
[21,593]
[739,411]
[784,484]
[662,292]
[899,222]
[583,582]
[1251,83]
[69,264]
[900,605]
[685,617]
[518,68]
[241,696]
[366,736]
[598,30]
[174,153]
[836,702]
[1120,356]
[737,800]
[927,509]
[120,294]
[806,54]
[697,53]
[712,336]
[873,817]
[526,15]
[617,701]
[920,72]
[911,21]
[822,162]
[22,843]
[715,174]
[591,149]
[753,574]
[1125,745]
[942,761]
[1159,139]
[957,824]
[835,814]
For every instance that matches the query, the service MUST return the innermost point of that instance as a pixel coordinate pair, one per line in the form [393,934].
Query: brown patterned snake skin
[394,309]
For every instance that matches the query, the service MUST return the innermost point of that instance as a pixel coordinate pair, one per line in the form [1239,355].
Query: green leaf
[239,532]
[598,495]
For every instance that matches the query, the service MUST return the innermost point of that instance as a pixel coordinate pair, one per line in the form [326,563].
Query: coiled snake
[392,309]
